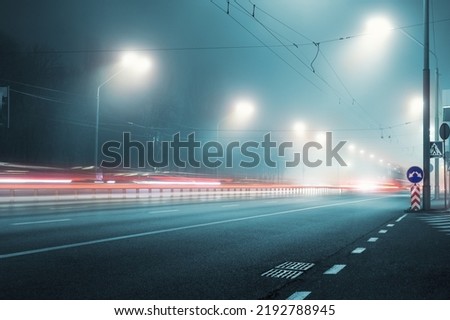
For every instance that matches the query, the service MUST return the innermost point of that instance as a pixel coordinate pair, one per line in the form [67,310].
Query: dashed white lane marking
[188,227]
[229,205]
[299,295]
[359,250]
[390,225]
[39,222]
[335,269]
[164,211]
[401,218]
[374,239]
[383,231]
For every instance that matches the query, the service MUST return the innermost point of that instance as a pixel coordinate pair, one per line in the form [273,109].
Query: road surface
[354,246]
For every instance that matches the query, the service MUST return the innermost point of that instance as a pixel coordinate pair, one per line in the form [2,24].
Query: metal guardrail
[26,192]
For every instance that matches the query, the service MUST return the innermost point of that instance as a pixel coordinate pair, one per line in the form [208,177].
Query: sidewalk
[411,260]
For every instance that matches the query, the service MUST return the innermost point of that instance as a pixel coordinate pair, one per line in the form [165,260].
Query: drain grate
[302,266]
[288,270]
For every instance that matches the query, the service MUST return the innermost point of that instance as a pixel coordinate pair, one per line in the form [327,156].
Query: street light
[426,105]
[378,27]
[299,128]
[130,61]
[242,110]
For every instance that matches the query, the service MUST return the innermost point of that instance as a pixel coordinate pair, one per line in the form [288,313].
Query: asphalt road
[267,248]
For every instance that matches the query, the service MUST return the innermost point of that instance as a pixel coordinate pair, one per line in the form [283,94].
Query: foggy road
[252,249]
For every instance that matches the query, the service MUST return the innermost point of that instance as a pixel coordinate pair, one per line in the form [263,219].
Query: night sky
[297,61]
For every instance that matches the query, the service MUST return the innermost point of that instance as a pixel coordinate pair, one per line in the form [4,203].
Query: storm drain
[288,270]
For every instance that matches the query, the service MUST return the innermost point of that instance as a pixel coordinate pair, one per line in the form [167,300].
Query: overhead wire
[271,50]
[335,92]
[41,88]
[144,49]
[393,29]
[42,97]
[271,33]
[310,67]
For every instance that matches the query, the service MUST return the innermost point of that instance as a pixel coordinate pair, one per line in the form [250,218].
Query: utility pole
[436,135]
[426,108]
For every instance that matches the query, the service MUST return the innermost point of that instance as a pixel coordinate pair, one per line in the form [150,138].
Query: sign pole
[415,175]
[445,178]
[444,132]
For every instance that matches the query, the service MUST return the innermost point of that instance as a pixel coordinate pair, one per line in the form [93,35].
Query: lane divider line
[390,225]
[299,295]
[335,269]
[194,226]
[230,205]
[359,250]
[164,211]
[39,222]
[383,231]
[374,239]
[401,218]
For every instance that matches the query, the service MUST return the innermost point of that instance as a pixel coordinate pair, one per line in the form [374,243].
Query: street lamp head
[378,27]
[416,106]
[244,109]
[299,127]
[138,63]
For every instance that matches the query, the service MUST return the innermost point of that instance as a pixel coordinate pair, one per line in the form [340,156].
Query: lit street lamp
[129,61]
[378,27]
[242,110]
[299,128]
[426,103]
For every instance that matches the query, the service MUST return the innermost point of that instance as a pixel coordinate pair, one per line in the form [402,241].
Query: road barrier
[415,197]
[28,192]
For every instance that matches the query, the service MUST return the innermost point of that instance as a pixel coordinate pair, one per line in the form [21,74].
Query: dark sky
[361,87]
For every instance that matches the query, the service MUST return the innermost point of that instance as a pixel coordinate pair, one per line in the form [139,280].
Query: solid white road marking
[299,295]
[335,269]
[401,218]
[383,231]
[374,239]
[194,226]
[39,222]
[164,211]
[359,250]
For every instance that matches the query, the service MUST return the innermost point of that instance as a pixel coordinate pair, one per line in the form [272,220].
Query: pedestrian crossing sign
[436,149]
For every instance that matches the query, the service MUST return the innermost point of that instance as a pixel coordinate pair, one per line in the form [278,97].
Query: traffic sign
[415,197]
[444,131]
[414,174]
[436,149]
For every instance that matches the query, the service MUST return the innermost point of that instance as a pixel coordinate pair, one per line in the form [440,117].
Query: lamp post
[426,108]
[129,60]
[436,107]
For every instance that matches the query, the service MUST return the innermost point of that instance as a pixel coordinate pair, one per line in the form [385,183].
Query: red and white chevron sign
[415,197]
